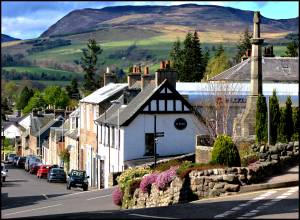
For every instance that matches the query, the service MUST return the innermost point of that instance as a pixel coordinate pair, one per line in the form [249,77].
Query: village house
[72,139]
[127,131]
[90,108]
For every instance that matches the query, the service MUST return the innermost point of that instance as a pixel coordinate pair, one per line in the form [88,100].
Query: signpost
[159,134]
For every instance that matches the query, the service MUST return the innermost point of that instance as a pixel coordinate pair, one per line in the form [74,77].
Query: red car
[43,171]
[34,168]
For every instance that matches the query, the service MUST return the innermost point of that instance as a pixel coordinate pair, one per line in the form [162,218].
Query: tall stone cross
[244,125]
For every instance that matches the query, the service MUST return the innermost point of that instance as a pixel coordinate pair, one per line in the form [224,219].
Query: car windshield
[57,171]
[78,173]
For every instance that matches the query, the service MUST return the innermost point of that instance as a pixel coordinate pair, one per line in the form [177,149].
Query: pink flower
[147,181]
[117,196]
[164,178]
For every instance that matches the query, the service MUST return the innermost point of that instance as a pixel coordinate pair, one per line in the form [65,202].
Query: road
[26,196]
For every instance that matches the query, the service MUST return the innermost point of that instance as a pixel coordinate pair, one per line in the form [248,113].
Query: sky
[26,20]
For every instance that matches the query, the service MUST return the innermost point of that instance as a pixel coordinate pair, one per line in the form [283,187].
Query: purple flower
[147,181]
[164,178]
[117,196]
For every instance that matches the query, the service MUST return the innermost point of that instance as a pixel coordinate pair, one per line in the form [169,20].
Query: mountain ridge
[204,17]
[7,38]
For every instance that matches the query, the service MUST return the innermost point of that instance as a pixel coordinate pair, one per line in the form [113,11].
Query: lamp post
[39,140]
[2,138]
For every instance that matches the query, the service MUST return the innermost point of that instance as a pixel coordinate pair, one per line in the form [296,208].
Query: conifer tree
[281,126]
[289,124]
[261,119]
[274,117]
[176,56]
[243,44]
[88,63]
[292,49]
[24,97]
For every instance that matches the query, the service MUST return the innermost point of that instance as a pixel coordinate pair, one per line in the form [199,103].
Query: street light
[2,138]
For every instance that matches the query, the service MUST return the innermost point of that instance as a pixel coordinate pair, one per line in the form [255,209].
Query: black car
[77,178]
[21,162]
[57,174]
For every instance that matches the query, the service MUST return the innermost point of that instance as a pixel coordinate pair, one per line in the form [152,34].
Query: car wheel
[3,179]
[85,188]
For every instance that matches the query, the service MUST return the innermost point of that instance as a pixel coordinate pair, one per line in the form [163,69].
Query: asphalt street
[26,196]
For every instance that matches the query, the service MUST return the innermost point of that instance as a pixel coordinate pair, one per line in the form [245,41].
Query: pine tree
[72,90]
[274,117]
[176,56]
[261,119]
[289,124]
[296,118]
[281,126]
[243,44]
[198,57]
[206,59]
[88,63]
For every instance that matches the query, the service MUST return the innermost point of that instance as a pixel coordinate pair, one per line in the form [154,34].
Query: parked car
[21,162]
[10,158]
[14,163]
[57,174]
[3,172]
[30,160]
[43,171]
[35,167]
[52,166]
[77,178]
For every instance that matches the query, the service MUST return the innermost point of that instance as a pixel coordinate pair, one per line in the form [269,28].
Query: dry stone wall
[217,182]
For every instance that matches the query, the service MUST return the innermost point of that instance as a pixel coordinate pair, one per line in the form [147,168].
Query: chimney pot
[146,70]
[162,64]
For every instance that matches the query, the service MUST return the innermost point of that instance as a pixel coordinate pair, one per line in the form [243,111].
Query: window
[149,144]
[113,137]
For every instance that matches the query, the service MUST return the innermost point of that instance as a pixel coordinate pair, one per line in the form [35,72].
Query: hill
[6,38]
[204,18]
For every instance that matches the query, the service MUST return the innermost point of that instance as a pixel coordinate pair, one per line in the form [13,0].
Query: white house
[127,132]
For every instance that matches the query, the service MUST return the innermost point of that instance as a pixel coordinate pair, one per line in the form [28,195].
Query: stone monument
[244,124]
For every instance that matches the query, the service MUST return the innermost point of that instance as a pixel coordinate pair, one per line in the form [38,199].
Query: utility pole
[155,139]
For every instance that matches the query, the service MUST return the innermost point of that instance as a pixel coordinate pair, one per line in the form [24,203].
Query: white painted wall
[174,142]
[12,131]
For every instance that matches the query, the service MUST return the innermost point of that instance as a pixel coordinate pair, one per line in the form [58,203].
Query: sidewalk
[289,178]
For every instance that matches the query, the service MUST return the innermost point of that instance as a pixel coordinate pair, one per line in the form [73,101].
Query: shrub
[225,152]
[274,117]
[134,184]
[166,165]
[147,181]
[164,178]
[117,196]
[289,124]
[184,166]
[261,128]
[125,179]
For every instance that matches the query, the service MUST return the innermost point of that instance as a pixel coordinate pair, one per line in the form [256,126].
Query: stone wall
[216,182]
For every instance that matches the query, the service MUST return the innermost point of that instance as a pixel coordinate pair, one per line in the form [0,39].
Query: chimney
[268,51]
[109,77]
[165,72]
[146,78]
[134,76]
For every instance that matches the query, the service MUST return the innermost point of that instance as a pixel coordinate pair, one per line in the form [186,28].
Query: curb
[257,187]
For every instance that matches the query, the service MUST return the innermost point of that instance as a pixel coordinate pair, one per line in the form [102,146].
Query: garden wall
[216,182]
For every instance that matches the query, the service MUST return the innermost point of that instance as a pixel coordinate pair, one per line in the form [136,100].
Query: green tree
[206,59]
[289,124]
[36,101]
[292,49]
[217,64]
[88,63]
[243,44]
[55,95]
[191,67]
[274,117]
[220,50]
[261,120]
[24,97]
[72,90]
[296,118]
[176,55]
[281,134]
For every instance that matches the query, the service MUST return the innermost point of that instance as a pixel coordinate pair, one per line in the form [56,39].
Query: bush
[117,196]
[125,179]
[261,128]
[163,179]
[225,152]
[147,181]
[134,184]
[166,165]
[248,159]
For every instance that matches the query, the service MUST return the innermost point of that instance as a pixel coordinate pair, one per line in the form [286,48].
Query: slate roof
[126,112]
[72,134]
[44,122]
[75,113]
[103,93]
[275,69]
